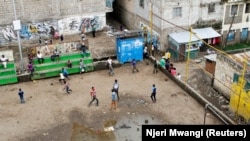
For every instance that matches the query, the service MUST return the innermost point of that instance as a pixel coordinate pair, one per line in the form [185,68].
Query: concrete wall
[240,21]
[40,10]
[38,17]
[134,16]
[224,72]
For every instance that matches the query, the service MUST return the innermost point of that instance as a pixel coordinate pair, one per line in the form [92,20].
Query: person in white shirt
[109,63]
[4,61]
[178,76]
[145,52]
[40,57]
[116,88]
[62,78]
[153,50]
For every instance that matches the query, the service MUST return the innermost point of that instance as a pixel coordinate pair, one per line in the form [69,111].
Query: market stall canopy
[202,33]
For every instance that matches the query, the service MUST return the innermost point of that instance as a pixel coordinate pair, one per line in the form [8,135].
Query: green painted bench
[52,68]
[8,75]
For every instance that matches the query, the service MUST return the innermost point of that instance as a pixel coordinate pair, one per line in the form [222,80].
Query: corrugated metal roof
[241,57]
[206,33]
[203,33]
[211,57]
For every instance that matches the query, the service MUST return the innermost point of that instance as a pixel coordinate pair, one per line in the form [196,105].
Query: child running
[66,87]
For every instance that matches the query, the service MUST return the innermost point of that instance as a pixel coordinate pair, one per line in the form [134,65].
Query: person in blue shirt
[134,66]
[21,93]
[65,73]
[114,99]
[153,94]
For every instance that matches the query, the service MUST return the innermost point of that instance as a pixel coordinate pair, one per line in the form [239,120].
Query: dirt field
[50,114]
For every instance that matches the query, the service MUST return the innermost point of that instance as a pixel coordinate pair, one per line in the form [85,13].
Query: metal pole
[205,114]
[188,57]
[18,38]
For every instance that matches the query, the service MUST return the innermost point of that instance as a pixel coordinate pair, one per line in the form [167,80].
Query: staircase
[52,68]
[8,75]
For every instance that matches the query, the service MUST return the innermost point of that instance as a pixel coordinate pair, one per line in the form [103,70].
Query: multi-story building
[39,17]
[161,17]
[236,21]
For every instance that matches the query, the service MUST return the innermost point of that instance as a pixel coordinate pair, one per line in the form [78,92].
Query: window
[211,7]
[234,9]
[247,8]
[177,12]
[231,35]
[142,3]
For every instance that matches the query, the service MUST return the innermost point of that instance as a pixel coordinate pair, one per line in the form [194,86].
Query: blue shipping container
[129,48]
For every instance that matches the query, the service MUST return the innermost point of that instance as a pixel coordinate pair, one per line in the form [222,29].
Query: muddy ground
[50,114]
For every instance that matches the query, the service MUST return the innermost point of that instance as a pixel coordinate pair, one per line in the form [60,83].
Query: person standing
[153,50]
[66,87]
[155,66]
[134,66]
[40,41]
[116,89]
[61,38]
[93,32]
[4,61]
[114,99]
[145,53]
[31,68]
[110,66]
[40,57]
[167,56]
[21,93]
[57,55]
[93,96]
[82,66]
[153,94]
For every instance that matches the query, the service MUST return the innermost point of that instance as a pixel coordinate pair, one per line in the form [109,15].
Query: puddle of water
[125,129]
[129,128]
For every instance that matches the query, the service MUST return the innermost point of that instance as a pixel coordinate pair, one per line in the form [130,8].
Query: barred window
[234,9]
[211,7]
[177,11]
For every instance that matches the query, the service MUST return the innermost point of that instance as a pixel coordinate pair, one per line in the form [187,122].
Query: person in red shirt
[93,96]
[173,71]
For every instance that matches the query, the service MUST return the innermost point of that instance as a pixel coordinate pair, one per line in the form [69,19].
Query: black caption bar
[195,132]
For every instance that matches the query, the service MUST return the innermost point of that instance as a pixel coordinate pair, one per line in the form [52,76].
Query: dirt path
[49,113]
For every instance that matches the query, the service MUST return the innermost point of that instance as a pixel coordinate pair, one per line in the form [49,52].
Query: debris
[107,129]
[125,126]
